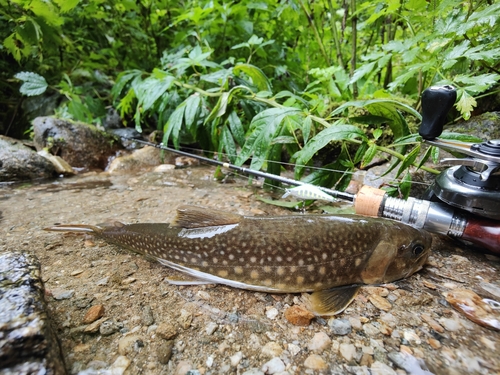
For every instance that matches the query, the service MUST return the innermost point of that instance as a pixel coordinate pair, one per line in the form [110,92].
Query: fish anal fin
[197,217]
[332,301]
[186,280]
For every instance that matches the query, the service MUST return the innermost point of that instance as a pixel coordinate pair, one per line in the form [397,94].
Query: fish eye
[417,249]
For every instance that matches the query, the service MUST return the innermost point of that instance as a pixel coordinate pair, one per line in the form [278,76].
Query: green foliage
[258,80]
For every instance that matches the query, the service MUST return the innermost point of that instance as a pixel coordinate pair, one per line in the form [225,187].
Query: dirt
[152,327]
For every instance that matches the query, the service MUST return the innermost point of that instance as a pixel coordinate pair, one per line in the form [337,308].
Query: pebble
[166,331]
[370,329]
[450,324]
[127,345]
[253,371]
[340,327]
[315,362]
[236,358]
[432,323]
[293,349]
[272,313]
[412,337]
[164,351]
[210,361]
[76,272]
[94,327]
[203,295]
[379,368]
[59,293]
[380,302]
[119,365]
[108,328]
[211,328]
[182,368]
[435,344]
[147,316]
[348,351]
[488,343]
[94,313]
[185,319]
[102,282]
[128,280]
[319,342]
[355,323]
[298,315]
[272,349]
[164,168]
[377,291]
[273,366]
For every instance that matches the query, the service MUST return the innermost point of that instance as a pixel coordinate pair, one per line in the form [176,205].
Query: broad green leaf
[477,83]
[123,79]
[369,155]
[149,90]
[405,186]
[256,74]
[174,124]
[435,154]
[191,111]
[408,160]
[264,127]
[236,128]
[466,104]
[306,128]
[33,84]
[426,156]
[66,5]
[337,132]
[283,139]
[409,139]
[227,143]
[452,136]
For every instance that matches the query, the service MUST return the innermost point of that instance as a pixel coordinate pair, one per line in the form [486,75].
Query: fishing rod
[463,202]
[251,172]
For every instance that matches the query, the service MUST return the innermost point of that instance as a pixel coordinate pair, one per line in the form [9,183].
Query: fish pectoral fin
[197,217]
[186,280]
[332,301]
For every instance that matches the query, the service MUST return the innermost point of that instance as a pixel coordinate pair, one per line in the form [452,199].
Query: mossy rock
[81,145]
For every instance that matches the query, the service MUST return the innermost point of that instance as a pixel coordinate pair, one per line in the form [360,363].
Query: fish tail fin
[75,228]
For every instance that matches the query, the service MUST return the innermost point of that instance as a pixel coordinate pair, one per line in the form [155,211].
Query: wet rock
[298,315]
[485,126]
[20,163]
[164,351]
[81,145]
[143,158]
[315,362]
[60,165]
[340,327]
[319,342]
[28,343]
[273,366]
[94,313]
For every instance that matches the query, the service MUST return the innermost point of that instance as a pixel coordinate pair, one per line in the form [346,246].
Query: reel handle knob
[436,102]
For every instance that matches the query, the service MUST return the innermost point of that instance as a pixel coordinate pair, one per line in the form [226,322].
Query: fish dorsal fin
[332,301]
[196,217]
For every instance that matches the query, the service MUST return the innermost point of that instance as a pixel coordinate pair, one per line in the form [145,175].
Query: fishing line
[227,155]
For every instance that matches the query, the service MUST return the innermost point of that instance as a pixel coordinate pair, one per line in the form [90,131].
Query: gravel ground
[115,313]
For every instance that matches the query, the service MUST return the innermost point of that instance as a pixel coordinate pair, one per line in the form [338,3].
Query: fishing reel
[472,183]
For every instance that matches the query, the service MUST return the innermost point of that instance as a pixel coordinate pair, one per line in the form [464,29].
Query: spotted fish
[331,256]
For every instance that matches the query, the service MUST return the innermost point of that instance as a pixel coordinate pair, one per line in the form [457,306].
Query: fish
[330,256]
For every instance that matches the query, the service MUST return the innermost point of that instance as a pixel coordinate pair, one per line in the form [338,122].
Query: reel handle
[436,102]
[484,233]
